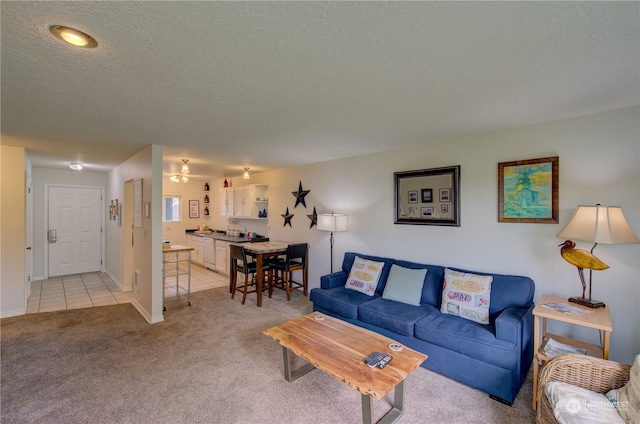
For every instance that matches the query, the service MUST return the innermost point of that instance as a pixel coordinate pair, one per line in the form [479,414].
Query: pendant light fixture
[246,174]
[185,167]
[185,173]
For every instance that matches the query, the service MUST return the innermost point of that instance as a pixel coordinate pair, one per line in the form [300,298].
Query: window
[171,208]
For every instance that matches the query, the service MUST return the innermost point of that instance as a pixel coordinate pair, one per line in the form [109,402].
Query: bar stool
[295,260]
[240,264]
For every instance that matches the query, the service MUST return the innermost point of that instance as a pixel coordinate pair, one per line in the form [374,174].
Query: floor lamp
[334,223]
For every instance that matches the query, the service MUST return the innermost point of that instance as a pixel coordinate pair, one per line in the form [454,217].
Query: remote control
[384,361]
[373,359]
[377,359]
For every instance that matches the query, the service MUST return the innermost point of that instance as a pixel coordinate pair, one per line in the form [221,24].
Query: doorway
[74,230]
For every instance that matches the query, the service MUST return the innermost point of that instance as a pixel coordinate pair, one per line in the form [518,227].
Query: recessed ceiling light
[73,36]
[75,166]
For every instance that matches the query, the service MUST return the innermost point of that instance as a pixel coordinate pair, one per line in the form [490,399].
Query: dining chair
[248,268]
[295,260]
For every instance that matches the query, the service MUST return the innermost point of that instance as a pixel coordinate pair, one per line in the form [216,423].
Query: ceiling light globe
[72,37]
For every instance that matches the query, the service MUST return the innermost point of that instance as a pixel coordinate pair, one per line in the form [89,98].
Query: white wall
[147,249]
[599,163]
[13,300]
[42,176]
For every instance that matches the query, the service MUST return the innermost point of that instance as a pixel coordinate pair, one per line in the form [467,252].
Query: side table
[599,319]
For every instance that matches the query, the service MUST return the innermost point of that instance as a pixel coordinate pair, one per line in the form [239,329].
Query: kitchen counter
[218,236]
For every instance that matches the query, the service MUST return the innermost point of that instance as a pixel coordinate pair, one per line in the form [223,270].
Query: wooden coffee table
[339,349]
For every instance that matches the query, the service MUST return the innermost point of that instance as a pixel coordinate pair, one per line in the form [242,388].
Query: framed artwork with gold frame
[528,191]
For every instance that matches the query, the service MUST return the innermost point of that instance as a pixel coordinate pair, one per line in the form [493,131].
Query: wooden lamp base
[589,303]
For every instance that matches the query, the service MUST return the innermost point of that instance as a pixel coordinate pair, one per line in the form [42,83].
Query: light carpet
[207,363]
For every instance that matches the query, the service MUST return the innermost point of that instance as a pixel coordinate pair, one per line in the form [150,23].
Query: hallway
[97,289]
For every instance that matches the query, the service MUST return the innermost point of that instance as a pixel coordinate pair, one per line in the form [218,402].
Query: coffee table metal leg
[394,413]
[290,374]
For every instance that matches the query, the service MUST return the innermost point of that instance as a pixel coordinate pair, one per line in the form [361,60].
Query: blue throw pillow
[405,285]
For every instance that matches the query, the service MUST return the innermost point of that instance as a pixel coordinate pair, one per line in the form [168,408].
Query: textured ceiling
[277,84]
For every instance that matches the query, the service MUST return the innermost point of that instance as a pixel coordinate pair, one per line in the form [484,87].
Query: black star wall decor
[287,218]
[313,218]
[299,195]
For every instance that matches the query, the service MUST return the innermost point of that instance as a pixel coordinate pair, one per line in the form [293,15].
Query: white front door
[74,233]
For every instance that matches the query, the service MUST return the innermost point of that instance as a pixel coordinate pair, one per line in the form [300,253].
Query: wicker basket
[591,373]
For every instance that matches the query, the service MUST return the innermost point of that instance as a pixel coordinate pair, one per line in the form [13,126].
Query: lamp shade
[332,222]
[599,224]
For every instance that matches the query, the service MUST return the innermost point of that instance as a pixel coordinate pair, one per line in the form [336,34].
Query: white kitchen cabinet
[197,255]
[222,257]
[243,201]
[209,253]
[227,200]
[249,202]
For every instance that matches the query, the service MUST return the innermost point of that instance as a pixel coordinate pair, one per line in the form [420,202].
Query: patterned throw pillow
[364,276]
[466,295]
[576,405]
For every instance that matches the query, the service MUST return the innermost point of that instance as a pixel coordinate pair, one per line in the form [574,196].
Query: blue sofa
[494,358]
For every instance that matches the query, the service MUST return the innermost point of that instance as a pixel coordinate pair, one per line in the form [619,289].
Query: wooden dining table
[260,251]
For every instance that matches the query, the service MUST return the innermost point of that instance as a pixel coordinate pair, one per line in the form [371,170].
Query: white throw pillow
[627,398]
[466,295]
[404,285]
[576,405]
[364,276]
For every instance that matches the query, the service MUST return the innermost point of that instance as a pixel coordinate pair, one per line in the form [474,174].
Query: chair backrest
[298,253]
[239,257]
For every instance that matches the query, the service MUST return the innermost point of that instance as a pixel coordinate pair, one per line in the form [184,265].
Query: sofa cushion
[340,300]
[404,285]
[577,405]
[364,276]
[627,398]
[432,288]
[468,338]
[394,316]
[466,295]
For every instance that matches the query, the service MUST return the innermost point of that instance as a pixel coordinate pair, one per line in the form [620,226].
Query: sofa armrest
[336,279]
[510,323]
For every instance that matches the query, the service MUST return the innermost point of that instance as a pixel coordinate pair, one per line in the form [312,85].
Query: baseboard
[13,313]
[117,282]
[150,319]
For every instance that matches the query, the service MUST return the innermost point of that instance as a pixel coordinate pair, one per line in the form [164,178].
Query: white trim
[13,313]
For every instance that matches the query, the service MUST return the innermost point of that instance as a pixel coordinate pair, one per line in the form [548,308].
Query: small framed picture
[444,208]
[427,212]
[194,209]
[445,194]
[427,195]
[413,197]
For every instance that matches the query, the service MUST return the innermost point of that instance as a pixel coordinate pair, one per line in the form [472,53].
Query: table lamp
[334,223]
[597,224]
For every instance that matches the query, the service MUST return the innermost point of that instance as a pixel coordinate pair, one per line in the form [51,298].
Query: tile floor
[97,289]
